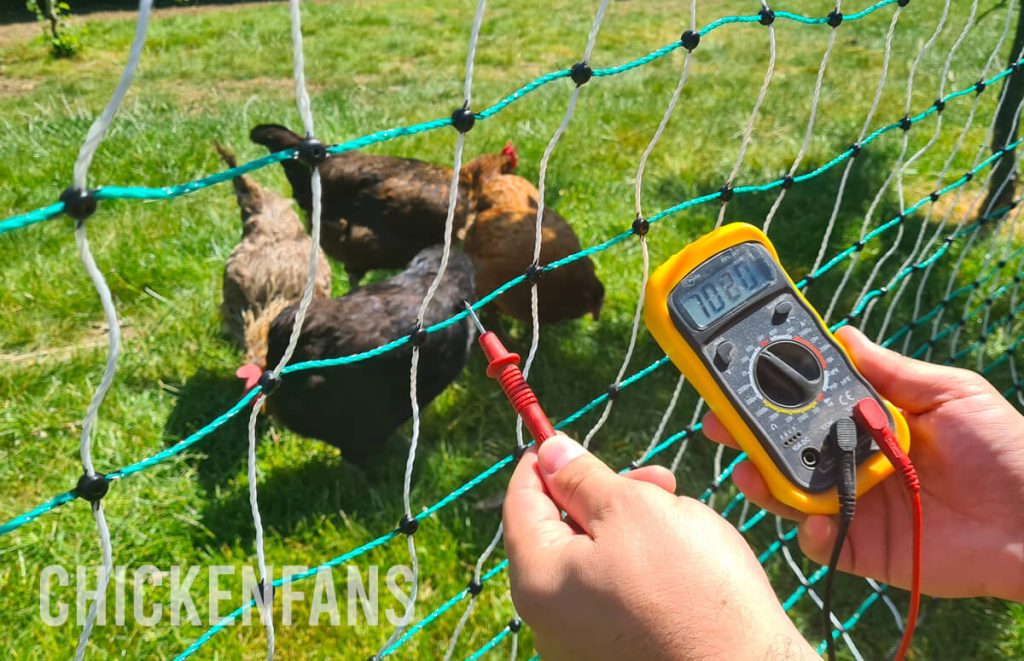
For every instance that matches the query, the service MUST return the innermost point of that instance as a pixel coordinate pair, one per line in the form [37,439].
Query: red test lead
[503,365]
[871,417]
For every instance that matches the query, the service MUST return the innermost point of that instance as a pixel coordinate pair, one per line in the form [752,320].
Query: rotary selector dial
[788,373]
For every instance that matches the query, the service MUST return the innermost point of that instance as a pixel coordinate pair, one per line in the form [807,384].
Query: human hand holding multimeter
[733,322]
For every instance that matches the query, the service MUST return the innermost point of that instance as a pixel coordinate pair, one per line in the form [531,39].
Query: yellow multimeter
[732,321]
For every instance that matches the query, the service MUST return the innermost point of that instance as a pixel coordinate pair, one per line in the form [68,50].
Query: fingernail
[556,452]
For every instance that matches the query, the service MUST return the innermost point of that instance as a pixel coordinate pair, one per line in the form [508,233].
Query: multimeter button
[724,353]
[781,312]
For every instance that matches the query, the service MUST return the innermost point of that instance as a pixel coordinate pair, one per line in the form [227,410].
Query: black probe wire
[844,438]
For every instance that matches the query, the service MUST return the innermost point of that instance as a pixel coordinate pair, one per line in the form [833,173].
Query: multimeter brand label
[773,359]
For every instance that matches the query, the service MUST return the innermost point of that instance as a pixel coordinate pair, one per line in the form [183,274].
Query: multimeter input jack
[810,457]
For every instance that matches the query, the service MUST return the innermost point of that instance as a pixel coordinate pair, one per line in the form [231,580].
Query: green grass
[372,65]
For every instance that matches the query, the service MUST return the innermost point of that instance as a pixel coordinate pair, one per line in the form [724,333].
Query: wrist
[757,629]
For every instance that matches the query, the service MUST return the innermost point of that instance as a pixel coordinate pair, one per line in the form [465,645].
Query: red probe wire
[503,365]
[870,415]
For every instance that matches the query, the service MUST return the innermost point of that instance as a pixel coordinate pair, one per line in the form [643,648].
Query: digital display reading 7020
[723,283]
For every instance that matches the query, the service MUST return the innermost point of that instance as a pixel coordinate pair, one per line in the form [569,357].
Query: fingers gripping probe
[503,365]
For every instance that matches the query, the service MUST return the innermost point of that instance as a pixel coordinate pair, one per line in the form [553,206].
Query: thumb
[578,482]
[913,385]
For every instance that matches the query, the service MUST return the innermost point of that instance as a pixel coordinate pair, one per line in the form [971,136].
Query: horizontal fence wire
[170,192]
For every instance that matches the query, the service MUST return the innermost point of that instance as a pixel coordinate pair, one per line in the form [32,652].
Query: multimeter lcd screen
[723,283]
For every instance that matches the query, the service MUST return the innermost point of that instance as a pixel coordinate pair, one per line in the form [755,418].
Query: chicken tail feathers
[274,137]
[246,188]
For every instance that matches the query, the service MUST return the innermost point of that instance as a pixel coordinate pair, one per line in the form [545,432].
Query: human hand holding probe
[503,365]
[635,577]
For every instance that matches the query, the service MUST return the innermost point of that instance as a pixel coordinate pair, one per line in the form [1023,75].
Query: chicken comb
[512,153]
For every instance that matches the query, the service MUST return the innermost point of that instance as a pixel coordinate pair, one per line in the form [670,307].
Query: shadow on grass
[324,484]
[202,398]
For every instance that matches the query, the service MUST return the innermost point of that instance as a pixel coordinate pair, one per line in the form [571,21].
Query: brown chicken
[500,242]
[378,211]
[267,271]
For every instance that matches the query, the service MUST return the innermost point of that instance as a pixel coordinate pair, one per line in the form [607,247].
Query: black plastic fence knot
[613,391]
[905,123]
[408,525]
[311,152]
[268,383]
[855,150]
[980,86]
[787,182]
[92,487]
[533,273]
[857,247]
[78,203]
[635,464]
[475,587]
[902,3]
[463,119]
[808,279]
[934,196]
[725,193]
[266,592]
[835,18]
[641,226]
[940,105]
[690,39]
[968,175]
[418,335]
[581,73]
[766,16]
[515,624]
[518,451]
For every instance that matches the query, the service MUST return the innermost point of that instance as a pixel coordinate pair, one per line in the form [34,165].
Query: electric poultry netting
[985,306]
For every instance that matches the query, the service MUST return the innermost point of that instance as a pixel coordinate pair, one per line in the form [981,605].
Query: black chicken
[356,407]
[378,211]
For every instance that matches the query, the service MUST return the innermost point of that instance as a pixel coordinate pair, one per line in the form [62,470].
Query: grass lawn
[373,64]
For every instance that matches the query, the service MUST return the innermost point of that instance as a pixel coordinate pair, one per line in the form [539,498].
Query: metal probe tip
[476,319]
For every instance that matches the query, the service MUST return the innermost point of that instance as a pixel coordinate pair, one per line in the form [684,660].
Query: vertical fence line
[93,139]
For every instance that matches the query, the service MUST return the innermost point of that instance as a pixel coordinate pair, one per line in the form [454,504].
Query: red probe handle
[869,413]
[504,366]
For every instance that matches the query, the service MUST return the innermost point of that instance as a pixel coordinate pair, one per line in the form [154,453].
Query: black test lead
[844,441]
